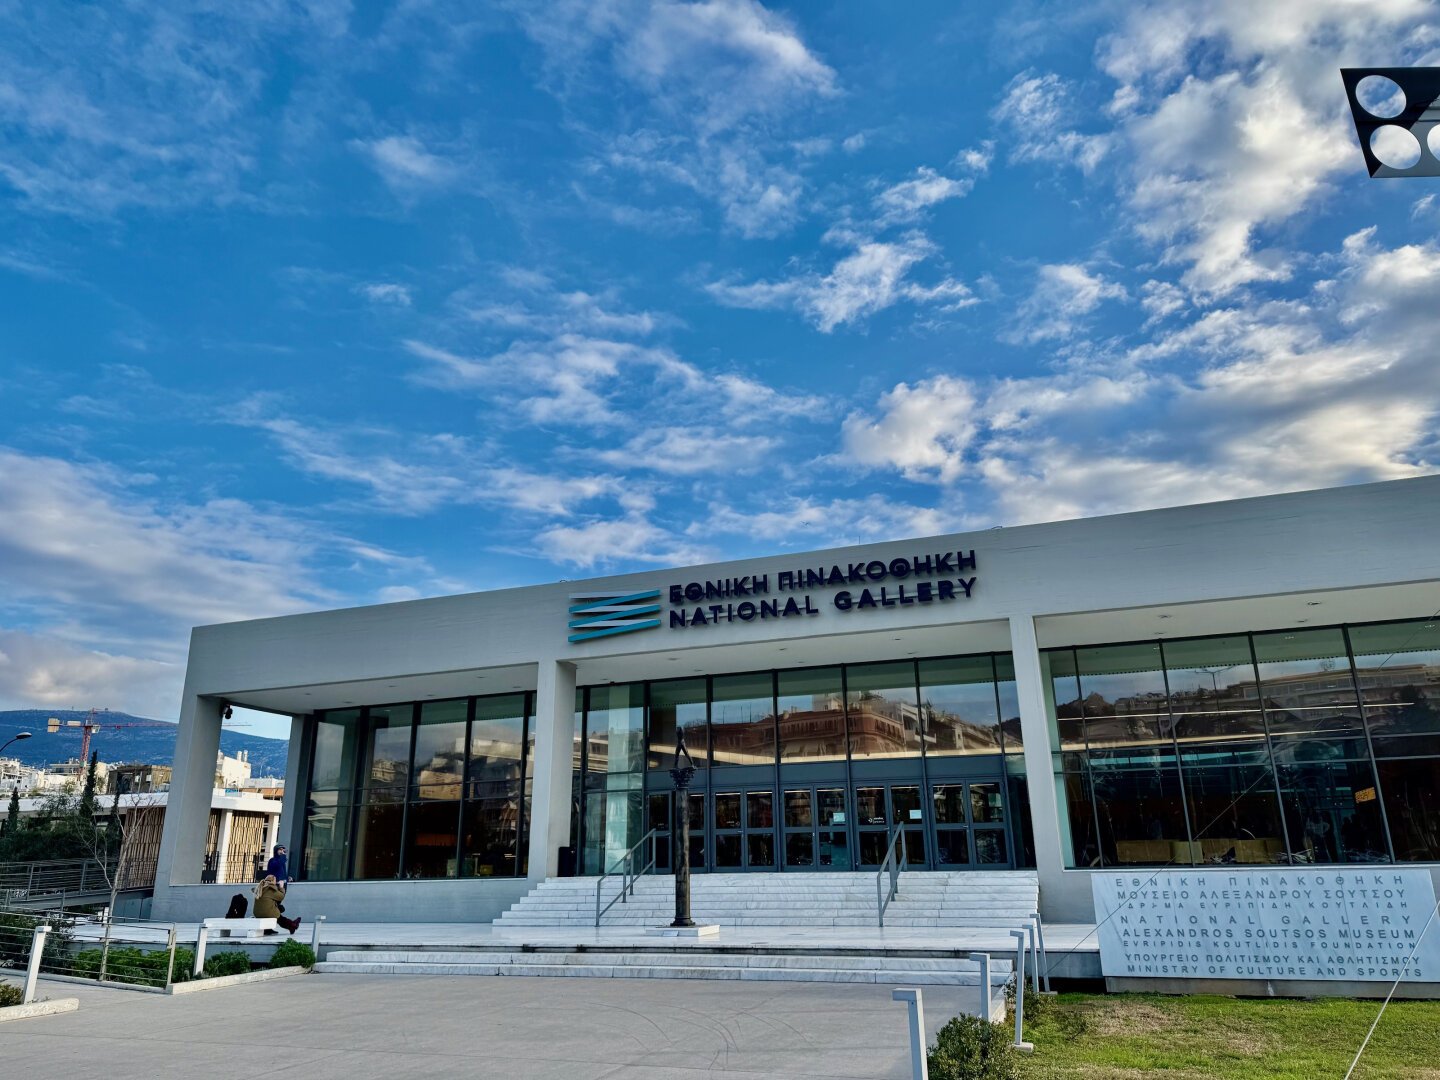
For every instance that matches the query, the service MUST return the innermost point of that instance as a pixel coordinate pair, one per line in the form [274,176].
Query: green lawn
[1196,1038]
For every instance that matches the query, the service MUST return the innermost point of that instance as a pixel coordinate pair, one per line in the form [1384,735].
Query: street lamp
[19,736]
[1397,117]
[682,774]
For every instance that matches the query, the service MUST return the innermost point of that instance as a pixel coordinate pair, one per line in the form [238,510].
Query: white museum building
[1234,685]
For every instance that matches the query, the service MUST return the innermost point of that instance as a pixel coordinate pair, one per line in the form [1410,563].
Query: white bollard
[1020,1043]
[919,1063]
[200,940]
[983,959]
[315,935]
[32,971]
[1044,956]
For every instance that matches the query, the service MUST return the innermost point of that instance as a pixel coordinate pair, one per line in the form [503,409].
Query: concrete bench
[242,927]
[248,928]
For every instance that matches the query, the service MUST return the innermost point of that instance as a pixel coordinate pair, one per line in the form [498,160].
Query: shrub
[17,933]
[11,995]
[292,953]
[233,962]
[132,965]
[968,1048]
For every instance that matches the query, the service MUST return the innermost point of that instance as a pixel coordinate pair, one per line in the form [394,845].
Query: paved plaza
[355,1027]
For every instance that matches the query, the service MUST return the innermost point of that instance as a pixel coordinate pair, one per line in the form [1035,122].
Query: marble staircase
[979,899]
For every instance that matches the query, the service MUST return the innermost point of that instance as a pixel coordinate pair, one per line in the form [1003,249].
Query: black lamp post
[17,737]
[682,774]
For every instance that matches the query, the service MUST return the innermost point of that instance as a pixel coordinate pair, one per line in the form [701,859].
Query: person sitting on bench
[268,895]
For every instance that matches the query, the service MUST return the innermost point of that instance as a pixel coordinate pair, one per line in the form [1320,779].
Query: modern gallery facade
[1245,683]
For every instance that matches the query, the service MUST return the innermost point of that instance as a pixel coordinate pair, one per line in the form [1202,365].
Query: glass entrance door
[817,829]
[881,807]
[970,825]
[660,815]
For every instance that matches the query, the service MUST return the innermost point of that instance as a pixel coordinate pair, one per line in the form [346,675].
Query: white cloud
[854,143]
[384,292]
[691,451]
[405,164]
[923,430]
[37,669]
[906,200]
[874,277]
[816,523]
[632,537]
[1222,153]
[1064,293]
[1036,114]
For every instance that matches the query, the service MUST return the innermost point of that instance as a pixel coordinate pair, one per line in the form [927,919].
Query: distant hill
[152,745]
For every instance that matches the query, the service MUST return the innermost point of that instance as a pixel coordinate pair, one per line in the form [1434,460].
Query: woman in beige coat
[268,895]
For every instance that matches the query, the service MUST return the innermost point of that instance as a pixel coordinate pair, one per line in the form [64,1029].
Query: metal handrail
[883,896]
[625,867]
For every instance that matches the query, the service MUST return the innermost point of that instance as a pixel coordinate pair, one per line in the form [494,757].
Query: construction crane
[90,725]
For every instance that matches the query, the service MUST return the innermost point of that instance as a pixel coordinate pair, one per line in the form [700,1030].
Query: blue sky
[311,304]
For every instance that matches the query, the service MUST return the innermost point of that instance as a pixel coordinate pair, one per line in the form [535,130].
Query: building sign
[604,614]
[870,584]
[1286,923]
[867,584]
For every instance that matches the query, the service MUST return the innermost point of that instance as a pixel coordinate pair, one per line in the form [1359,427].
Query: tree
[87,794]
[12,815]
[117,848]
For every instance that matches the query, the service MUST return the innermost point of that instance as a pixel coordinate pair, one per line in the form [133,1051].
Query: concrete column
[554,722]
[187,809]
[1062,897]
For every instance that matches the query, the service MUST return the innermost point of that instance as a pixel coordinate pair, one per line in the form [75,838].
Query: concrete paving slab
[357,1026]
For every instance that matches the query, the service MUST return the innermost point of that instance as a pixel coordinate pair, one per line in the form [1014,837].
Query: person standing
[278,866]
[268,895]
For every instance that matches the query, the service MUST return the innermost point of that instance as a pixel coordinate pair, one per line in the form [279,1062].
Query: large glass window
[430,794]
[742,719]
[957,698]
[386,775]
[678,705]
[1306,686]
[884,716]
[811,712]
[615,729]
[433,820]
[1287,747]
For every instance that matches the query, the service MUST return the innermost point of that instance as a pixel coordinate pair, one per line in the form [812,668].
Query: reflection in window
[615,728]
[958,701]
[337,740]
[1234,816]
[1212,689]
[1306,684]
[1123,698]
[1397,666]
[742,719]
[811,714]
[680,702]
[884,718]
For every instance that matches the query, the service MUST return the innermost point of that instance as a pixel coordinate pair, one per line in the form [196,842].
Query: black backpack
[238,906]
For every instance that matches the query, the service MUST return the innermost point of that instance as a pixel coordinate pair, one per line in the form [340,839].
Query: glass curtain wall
[418,790]
[908,709]
[1266,748]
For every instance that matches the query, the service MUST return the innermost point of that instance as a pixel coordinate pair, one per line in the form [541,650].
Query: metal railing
[625,867]
[893,867]
[125,953]
[66,880]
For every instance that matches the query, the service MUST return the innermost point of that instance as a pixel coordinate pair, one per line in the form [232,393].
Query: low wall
[476,900]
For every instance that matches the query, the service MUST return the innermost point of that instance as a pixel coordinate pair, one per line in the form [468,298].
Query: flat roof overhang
[676,656]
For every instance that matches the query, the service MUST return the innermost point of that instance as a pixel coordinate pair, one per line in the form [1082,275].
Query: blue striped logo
[604,614]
